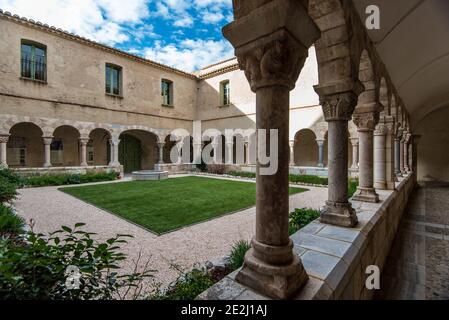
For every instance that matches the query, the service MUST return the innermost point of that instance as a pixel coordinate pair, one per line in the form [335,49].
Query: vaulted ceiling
[413,43]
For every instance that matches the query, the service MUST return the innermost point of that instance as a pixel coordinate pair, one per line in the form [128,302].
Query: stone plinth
[149,175]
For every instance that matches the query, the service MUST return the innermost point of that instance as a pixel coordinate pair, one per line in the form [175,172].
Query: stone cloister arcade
[271,40]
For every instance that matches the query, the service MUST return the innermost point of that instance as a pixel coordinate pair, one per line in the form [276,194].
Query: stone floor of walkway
[51,208]
[418,265]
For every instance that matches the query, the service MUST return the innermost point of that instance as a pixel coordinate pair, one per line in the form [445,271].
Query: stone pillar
[197,152]
[292,152]
[247,152]
[160,147]
[114,148]
[380,156]
[3,148]
[366,122]
[415,140]
[397,159]
[406,153]
[272,57]
[229,157]
[83,151]
[320,153]
[390,153]
[355,153]
[47,151]
[217,153]
[402,148]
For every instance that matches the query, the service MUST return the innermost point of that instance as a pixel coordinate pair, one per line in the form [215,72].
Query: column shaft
[47,151]
[292,153]
[355,153]
[3,150]
[83,151]
[320,153]
[380,158]
[397,159]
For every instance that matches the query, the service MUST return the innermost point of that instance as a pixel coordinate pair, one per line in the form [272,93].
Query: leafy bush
[242,174]
[39,269]
[11,176]
[67,179]
[352,187]
[302,217]
[10,223]
[8,190]
[237,255]
[187,287]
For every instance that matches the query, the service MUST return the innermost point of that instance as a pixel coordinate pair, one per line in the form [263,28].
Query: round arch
[98,148]
[25,147]
[138,150]
[306,148]
[65,147]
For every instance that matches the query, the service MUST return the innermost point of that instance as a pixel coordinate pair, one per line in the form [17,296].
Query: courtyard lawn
[166,205]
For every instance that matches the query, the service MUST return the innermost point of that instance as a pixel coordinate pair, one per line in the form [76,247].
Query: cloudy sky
[184,34]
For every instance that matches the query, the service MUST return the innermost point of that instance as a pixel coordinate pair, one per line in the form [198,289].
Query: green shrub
[352,187]
[39,269]
[67,179]
[242,174]
[302,217]
[237,255]
[10,223]
[11,176]
[8,190]
[187,287]
[216,168]
[308,179]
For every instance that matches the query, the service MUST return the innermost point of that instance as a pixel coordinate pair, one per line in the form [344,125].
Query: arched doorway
[64,149]
[138,150]
[98,148]
[306,148]
[25,147]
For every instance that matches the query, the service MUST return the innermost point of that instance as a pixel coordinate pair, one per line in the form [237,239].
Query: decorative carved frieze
[4,138]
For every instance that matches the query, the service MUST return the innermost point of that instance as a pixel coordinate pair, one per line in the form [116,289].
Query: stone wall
[336,258]
[32,172]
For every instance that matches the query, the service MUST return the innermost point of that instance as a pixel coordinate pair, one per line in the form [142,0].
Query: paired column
[406,152]
[160,148]
[272,58]
[397,156]
[229,151]
[366,122]
[402,158]
[320,153]
[47,151]
[217,150]
[247,152]
[114,157]
[197,152]
[83,151]
[355,153]
[292,152]
[3,147]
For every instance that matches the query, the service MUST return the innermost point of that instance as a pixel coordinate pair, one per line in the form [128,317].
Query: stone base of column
[47,165]
[381,185]
[273,271]
[338,214]
[366,195]
[354,167]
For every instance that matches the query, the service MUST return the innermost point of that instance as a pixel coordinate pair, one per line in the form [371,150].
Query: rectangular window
[167,92]
[113,79]
[225,93]
[34,61]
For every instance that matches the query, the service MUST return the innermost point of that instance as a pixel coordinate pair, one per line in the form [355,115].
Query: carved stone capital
[84,141]
[276,62]
[366,121]
[354,141]
[114,142]
[47,140]
[339,106]
[381,129]
[4,138]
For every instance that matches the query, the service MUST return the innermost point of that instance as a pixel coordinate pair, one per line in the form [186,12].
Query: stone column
[390,153]
[229,157]
[197,152]
[397,159]
[292,152]
[366,122]
[355,153]
[406,153]
[320,153]
[114,148]
[247,152]
[83,151]
[402,145]
[415,140]
[3,147]
[160,147]
[217,153]
[272,57]
[179,146]
[47,151]
[380,156]
[338,107]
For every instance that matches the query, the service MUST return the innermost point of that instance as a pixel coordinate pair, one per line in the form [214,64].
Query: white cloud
[190,55]
[99,20]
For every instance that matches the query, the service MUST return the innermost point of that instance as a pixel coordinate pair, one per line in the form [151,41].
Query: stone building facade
[69,120]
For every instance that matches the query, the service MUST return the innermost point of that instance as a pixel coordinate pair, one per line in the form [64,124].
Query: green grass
[162,206]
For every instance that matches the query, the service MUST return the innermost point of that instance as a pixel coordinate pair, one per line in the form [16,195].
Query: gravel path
[51,208]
